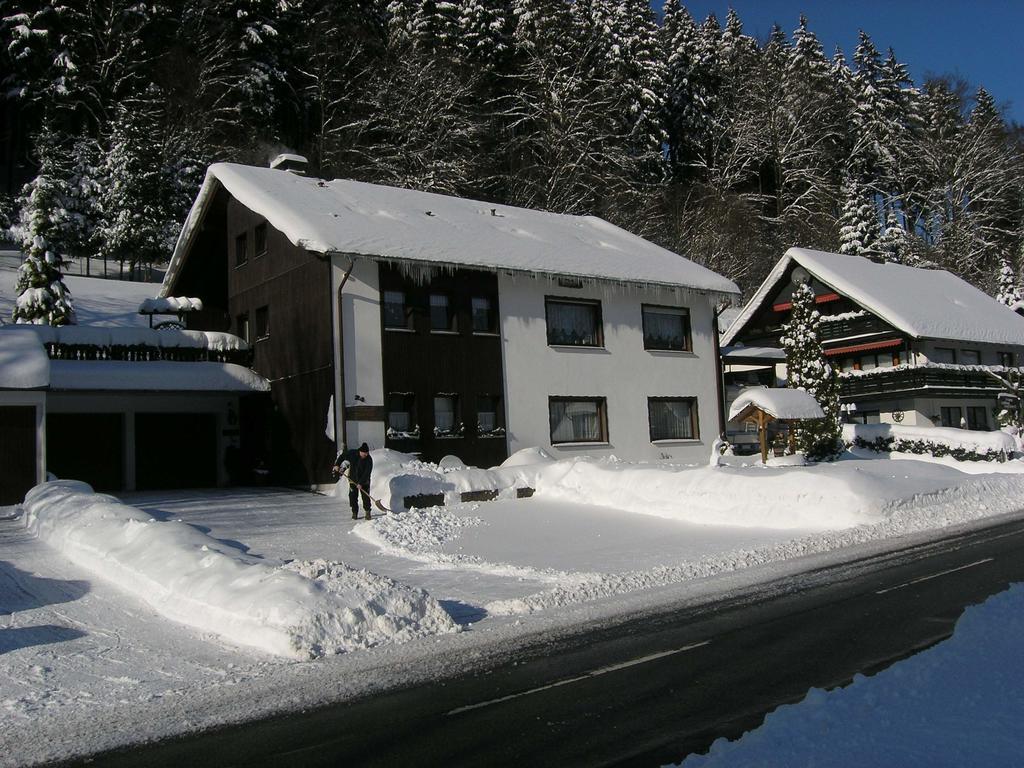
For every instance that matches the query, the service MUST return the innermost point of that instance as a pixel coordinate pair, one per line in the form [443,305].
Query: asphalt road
[646,692]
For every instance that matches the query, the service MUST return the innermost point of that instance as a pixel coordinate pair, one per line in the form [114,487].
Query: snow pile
[780,402]
[397,476]
[838,496]
[901,437]
[302,610]
[953,704]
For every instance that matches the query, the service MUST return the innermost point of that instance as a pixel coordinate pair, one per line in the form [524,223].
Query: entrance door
[175,450]
[17,452]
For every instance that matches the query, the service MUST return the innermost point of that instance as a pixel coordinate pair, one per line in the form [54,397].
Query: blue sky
[982,41]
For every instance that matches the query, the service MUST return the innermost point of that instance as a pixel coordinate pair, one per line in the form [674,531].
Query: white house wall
[622,371]
[361,324]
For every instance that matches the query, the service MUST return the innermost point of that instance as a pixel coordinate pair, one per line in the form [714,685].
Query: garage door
[175,450]
[17,452]
[88,447]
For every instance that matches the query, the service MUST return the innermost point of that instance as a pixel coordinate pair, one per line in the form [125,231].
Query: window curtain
[666,329]
[444,413]
[572,324]
[394,309]
[671,420]
[440,320]
[573,422]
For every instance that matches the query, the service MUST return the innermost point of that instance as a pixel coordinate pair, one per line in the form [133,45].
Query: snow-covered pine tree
[135,207]
[484,31]
[858,222]
[42,297]
[808,369]
[1007,289]
[83,193]
[893,245]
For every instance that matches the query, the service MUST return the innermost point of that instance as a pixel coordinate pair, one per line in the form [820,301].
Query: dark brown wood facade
[282,293]
[460,362]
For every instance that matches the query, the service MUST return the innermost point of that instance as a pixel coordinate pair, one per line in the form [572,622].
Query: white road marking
[934,576]
[586,676]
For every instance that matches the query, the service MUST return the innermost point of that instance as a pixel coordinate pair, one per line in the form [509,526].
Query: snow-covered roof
[112,336]
[154,376]
[753,353]
[170,305]
[782,403]
[383,222]
[24,363]
[23,360]
[923,303]
[97,301]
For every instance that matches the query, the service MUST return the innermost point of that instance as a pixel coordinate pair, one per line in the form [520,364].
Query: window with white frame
[578,420]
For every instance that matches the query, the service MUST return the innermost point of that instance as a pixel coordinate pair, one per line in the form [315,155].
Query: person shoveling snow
[356,466]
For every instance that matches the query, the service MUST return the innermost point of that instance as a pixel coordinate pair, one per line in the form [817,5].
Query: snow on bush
[961,444]
[301,610]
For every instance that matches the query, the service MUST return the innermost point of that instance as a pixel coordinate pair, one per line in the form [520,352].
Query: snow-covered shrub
[930,441]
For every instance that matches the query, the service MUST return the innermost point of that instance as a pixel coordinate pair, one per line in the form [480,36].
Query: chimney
[296,164]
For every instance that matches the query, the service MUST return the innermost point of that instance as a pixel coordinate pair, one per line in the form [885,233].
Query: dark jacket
[359,468]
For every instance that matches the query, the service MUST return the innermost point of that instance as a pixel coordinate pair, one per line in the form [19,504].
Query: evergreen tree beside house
[42,232]
[809,370]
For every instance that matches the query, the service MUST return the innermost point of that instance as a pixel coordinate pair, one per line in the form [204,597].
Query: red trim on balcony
[822,299]
[866,347]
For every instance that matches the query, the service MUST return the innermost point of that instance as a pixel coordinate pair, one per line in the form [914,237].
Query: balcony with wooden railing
[906,379]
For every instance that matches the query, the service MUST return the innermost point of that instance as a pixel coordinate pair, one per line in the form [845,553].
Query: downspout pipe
[340,427]
[719,369]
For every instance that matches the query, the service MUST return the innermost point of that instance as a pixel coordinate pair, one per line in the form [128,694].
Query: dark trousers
[353,500]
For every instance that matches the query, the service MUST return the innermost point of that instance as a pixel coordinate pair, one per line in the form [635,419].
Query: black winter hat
[364,448]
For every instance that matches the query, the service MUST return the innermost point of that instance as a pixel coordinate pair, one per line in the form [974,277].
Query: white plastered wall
[622,371]
[363,364]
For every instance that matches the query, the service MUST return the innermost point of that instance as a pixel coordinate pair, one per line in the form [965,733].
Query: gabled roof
[779,402]
[923,303]
[376,221]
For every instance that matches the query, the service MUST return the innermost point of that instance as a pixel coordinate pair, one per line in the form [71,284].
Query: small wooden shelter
[762,405]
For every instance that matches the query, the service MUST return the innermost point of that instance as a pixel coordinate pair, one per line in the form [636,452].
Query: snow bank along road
[90,660]
[650,689]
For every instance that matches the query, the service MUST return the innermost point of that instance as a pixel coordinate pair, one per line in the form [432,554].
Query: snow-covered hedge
[961,444]
[300,609]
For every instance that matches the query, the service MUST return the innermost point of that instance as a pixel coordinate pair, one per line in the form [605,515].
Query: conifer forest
[690,132]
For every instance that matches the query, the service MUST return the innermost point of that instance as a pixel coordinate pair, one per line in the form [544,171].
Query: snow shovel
[376,502]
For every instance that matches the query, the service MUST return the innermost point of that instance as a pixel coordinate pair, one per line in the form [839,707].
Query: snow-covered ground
[90,658]
[956,704]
